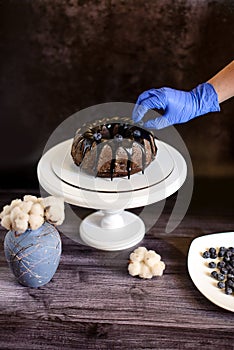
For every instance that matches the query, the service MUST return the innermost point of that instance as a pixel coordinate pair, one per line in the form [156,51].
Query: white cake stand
[111,227]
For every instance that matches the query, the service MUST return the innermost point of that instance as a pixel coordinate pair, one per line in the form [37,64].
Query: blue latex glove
[179,106]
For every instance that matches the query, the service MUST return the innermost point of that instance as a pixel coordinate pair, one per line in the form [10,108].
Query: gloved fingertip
[136,117]
[158,123]
[138,113]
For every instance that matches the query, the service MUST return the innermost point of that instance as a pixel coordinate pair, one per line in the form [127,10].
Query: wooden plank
[54,334]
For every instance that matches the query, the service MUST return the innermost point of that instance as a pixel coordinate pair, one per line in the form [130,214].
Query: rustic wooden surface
[92,302]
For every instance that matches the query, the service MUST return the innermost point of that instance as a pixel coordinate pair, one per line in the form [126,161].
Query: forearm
[223,82]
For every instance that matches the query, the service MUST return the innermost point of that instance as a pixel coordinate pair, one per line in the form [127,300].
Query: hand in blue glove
[178,106]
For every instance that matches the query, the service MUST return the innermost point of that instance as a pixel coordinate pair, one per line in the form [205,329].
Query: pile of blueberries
[225,267]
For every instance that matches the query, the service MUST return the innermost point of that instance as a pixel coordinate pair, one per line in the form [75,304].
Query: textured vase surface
[34,255]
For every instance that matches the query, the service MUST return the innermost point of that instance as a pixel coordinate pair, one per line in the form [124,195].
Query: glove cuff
[207,99]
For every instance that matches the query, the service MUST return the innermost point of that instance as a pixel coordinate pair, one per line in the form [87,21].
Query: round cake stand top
[111,200]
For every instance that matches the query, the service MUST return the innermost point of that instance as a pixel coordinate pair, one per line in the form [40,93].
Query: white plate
[64,167]
[200,272]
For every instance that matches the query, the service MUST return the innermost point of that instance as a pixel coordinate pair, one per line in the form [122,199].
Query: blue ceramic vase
[34,255]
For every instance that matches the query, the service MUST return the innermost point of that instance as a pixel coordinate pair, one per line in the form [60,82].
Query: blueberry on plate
[228,253]
[221,285]
[223,248]
[212,250]
[221,253]
[206,255]
[228,290]
[230,283]
[220,277]
[226,258]
[224,270]
[212,264]
[214,274]
[221,264]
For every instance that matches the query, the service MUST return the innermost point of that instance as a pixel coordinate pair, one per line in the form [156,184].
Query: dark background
[60,56]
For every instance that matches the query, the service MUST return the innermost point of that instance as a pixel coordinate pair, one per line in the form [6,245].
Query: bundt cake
[113,149]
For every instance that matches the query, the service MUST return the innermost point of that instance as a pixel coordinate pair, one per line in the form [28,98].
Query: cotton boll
[35,221]
[54,215]
[134,268]
[54,210]
[20,221]
[151,258]
[26,206]
[140,251]
[6,210]
[40,200]
[16,211]
[157,269]
[135,257]
[30,198]
[20,225]
[51,200]
[37,209]
[6,222]
[15,203]
[138,254]
[145,271]
[145,263]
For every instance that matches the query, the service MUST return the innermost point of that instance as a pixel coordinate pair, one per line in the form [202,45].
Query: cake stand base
[112,230]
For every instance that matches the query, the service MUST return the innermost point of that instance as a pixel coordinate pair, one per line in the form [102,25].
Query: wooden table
[92,302]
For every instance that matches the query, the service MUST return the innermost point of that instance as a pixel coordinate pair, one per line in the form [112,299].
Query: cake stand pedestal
[112,230]
[111,227]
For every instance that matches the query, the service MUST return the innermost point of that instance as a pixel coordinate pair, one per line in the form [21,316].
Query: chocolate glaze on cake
[113,149]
